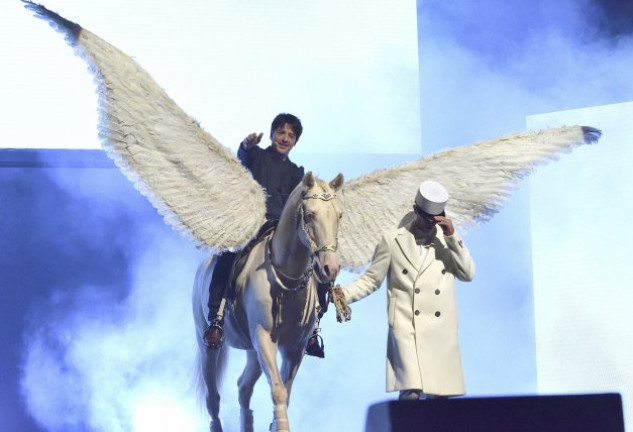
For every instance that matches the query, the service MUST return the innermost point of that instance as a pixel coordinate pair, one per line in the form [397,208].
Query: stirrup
[315,346]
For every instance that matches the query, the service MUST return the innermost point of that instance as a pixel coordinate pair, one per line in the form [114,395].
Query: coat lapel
[409,249]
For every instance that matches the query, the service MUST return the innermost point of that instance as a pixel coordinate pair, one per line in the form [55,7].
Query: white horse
[275,306]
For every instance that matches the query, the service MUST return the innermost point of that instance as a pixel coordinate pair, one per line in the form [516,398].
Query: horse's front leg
[267,351]
[291,360]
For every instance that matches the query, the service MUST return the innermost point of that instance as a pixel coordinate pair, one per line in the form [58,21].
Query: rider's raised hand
[251,140]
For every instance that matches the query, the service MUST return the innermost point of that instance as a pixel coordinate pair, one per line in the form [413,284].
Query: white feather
[204,192]
[479,178]
[194,181]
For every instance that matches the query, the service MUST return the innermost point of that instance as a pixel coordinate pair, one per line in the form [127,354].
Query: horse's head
[318,219]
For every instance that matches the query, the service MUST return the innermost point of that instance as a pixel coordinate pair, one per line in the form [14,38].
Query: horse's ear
[337,182]
[308,180]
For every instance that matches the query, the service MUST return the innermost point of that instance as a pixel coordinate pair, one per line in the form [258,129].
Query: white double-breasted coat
[423,346]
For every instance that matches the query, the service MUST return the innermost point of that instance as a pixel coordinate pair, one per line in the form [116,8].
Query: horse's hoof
[246,420]
[216,426]
[279,426]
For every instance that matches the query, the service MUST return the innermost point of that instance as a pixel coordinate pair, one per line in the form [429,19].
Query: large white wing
[205,193]
[478,177]
[198,186]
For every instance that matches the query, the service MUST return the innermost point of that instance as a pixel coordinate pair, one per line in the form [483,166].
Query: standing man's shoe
[213,335]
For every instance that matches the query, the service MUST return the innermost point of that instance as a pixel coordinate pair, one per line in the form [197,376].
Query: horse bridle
[315,249]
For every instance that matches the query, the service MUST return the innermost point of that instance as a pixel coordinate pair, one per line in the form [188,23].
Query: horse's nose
[330,272]
[331,266]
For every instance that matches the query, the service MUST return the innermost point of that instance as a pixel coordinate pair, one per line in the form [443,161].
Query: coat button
[417,290]
[417,312]
[405,271]
[437,314]
[437,292]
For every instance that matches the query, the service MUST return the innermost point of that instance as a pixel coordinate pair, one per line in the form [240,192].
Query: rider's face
[284,139]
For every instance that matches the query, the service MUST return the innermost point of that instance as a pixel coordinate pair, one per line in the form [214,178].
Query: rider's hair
[285,118]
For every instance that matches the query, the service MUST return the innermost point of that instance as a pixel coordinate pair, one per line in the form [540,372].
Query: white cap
[431,197]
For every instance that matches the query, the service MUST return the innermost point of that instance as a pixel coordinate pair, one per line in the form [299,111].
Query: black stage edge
[557,413]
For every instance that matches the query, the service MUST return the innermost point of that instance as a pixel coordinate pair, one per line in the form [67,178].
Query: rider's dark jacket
[277,175]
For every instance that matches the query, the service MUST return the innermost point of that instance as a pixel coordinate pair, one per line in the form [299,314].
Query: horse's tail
[220,369]
[205,358]
[200,295]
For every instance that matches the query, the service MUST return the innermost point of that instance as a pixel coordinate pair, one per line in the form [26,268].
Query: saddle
[268,228]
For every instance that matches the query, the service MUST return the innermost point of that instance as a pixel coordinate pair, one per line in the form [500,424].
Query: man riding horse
[278,175]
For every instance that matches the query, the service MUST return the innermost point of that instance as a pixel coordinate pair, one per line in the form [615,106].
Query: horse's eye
[309,216]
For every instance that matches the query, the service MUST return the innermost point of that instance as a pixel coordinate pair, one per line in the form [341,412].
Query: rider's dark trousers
[219,282]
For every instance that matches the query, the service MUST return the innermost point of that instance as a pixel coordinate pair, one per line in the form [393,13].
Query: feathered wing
[194,182]
[203,191]
[478,177]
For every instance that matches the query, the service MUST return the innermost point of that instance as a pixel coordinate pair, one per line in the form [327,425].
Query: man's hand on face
[446,224]
[251,140]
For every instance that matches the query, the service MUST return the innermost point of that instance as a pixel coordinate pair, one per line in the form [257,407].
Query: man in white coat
[420,262]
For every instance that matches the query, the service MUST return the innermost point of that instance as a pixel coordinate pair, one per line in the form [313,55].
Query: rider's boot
[214,334]
[315,346]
